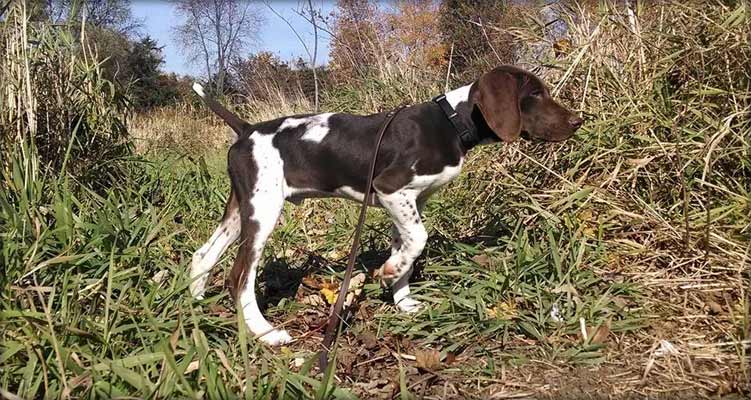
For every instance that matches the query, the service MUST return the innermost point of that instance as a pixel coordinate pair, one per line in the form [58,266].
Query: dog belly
[297,195]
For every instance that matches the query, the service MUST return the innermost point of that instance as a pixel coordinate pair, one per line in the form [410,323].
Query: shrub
[57,103]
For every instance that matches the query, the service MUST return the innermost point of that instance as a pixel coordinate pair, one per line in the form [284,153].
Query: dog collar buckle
[467,137]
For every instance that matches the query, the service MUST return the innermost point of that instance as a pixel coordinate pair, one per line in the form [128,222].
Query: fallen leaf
[329,295]
[159,276]
[585,215]
[428,360]
[355,289]
[192,367]
[666,348]
[639,162]
[334,255]
[589,231]
[368,340]
[600,335]
[565,288]
[503,310]
[312,300]
[356,282]
[482,260]
[311,282]
[619,302]
[346,360]
[216,308]
[373,385]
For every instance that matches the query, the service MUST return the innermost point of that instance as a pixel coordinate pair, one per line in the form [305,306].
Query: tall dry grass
[180,129]
[662,169]
[623,253]
[657,184]
[58,110]
[190,129]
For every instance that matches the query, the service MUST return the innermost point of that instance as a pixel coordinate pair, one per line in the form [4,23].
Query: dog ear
[498,101]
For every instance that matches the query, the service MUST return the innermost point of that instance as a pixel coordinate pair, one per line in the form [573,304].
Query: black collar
[467,136]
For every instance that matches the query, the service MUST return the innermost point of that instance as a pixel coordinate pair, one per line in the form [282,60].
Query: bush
[58,106]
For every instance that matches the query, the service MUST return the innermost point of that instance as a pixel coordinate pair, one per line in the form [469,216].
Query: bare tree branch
[311,18]
[216,31]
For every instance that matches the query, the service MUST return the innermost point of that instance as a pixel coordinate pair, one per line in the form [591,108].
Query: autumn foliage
[423,36]
[369,38]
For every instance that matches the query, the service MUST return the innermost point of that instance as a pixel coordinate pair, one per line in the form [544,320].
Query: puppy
[328,155]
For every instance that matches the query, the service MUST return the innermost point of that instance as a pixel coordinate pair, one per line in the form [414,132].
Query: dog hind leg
[257,178]
[209,254]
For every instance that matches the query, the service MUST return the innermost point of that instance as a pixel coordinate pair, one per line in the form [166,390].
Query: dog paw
[198,288]
[389,273]
[276,337]
[409,305]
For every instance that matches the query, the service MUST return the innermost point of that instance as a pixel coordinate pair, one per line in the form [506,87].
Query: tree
[262,75]
[109,31]
[354,45]
[113,15]
[464,24]
[414,35]
[312,16]
[149,87]
[216,31]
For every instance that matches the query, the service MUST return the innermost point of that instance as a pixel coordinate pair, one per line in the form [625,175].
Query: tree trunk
[315,51]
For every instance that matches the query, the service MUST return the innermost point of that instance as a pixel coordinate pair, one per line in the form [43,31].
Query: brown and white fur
[327,155]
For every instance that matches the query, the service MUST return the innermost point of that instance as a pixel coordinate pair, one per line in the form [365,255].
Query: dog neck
[468,114]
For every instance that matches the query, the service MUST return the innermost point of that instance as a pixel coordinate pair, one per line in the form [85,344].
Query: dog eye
[537,93]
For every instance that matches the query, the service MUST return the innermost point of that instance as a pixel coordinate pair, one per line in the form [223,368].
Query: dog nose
[576,122]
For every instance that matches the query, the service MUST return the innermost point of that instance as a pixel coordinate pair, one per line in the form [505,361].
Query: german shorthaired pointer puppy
[327,155]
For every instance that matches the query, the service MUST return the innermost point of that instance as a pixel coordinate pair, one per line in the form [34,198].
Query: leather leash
[332,328]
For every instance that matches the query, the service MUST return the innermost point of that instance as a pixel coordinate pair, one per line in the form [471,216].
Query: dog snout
[575,122]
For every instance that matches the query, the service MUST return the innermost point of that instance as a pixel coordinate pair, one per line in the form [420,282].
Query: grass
[612,265]
[102,309]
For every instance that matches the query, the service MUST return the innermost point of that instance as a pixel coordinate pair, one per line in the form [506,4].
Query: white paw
[409,305]
[276,337]
[198,288]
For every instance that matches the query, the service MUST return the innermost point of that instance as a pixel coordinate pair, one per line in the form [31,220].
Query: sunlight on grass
[618,256]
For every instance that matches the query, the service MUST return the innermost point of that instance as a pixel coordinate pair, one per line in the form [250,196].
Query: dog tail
[235,122]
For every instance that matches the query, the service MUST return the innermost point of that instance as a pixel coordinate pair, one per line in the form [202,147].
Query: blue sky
[158,18]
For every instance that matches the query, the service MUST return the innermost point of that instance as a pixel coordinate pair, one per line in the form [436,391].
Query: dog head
[514,102]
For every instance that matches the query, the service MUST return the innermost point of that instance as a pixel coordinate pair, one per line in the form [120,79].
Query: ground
[487,332]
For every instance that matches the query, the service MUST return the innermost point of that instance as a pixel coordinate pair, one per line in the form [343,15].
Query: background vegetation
[613,265]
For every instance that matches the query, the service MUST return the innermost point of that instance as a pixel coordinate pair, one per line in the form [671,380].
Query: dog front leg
[404,211]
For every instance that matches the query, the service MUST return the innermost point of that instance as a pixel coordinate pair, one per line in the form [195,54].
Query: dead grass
[191,129]
[615,265]
[169,129]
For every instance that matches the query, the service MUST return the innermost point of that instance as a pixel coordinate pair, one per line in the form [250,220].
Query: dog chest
[434,181]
